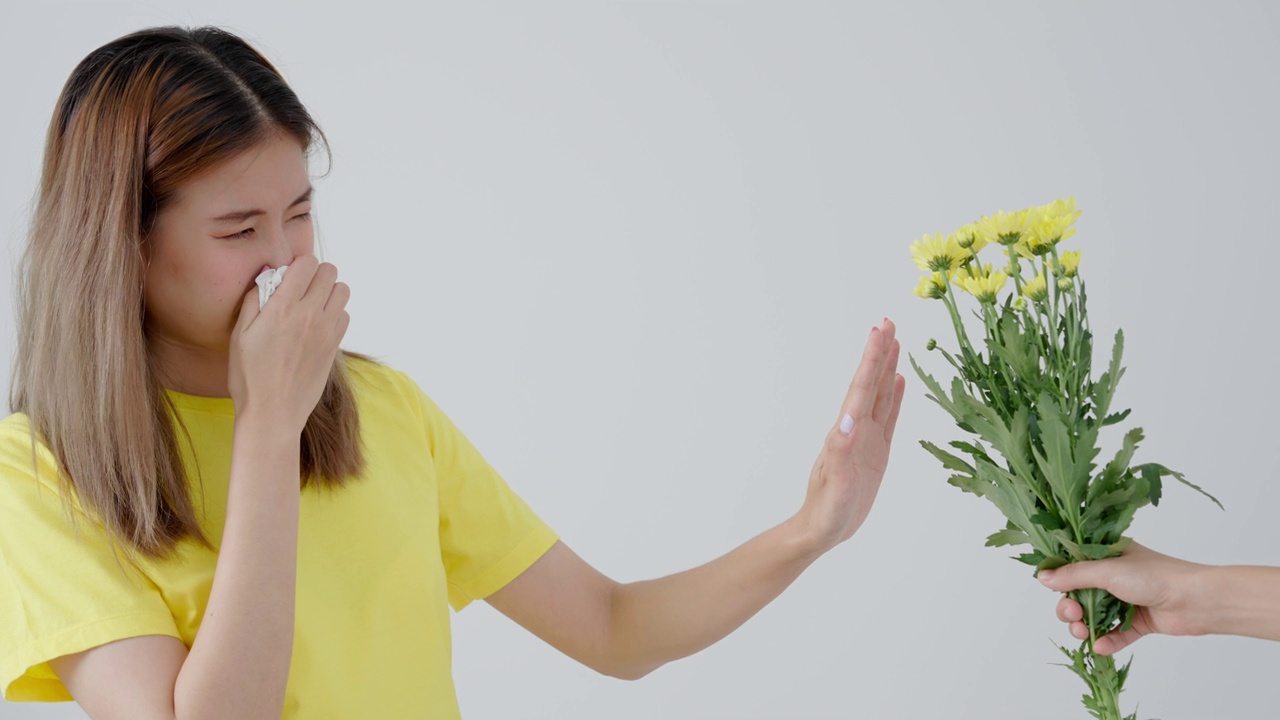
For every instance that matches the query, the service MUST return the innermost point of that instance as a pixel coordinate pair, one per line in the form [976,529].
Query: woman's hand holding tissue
[282,350]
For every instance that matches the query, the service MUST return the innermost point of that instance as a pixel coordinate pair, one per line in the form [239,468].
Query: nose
[279,252]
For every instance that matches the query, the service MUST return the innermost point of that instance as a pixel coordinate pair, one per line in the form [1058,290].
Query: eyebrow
[242,215]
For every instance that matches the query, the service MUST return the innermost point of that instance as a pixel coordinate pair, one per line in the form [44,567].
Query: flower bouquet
[1034,412]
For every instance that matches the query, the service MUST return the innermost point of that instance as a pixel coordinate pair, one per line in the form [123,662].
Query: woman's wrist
[1238,600]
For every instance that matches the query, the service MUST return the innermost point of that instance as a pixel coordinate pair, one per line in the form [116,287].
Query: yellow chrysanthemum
[1037,289]
[983,287]
[931,252]
[972,270]
[932,287]
[969,239]
[1002,227]
[1068,264]
[1047,226]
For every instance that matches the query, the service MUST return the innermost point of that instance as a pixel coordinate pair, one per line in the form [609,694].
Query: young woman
[209,509]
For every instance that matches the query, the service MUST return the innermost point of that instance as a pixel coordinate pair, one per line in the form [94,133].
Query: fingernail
[846,424]
[1045,575]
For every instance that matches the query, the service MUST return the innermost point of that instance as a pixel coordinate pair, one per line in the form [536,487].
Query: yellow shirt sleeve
[488,534]
[61,592]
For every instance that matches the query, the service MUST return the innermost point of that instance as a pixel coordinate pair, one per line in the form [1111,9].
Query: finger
[322,282]
[1079,631]
[338,297]
[1089,574]
[298,277]
[1116,641]
[862,390]
[899,391]
[1069,610]
[248,309]
[344,322]
[888,378]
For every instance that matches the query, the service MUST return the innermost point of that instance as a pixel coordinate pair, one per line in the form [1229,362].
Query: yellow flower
[1037,289]
[1002,227]
[932,287]
[1047,226]
[983,286]
[933,253]
[969,239]
[1068,264]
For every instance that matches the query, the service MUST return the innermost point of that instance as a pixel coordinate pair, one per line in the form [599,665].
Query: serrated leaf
[970,484]
[1007,537]
[949,461]
[1114,418]
[1051,563]
[1180,478]
[1033,558]
[1104,390]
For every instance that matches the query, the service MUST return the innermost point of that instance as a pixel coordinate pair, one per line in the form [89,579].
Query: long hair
[137,118]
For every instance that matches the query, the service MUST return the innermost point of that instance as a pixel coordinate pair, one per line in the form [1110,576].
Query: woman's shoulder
[15,440]
[21,459]
[369,374]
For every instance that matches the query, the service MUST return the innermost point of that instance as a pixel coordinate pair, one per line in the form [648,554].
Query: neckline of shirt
[215,405]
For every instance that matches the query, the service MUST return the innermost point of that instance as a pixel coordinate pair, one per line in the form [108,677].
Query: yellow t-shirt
[430,524]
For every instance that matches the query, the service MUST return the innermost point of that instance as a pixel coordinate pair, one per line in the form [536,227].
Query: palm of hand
[846,476]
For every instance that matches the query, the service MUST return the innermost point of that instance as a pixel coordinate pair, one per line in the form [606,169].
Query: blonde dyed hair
[137,118]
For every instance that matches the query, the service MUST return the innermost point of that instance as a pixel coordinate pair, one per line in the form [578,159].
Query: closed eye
[248,232]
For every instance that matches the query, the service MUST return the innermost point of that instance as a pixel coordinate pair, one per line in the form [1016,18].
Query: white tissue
[268,280]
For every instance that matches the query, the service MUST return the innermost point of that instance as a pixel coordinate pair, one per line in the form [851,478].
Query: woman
[208,509]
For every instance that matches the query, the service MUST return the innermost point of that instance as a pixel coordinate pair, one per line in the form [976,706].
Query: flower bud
[931,344]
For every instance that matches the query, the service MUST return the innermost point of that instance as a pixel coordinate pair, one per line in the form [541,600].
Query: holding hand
[1164,589]
[847,474]
[281,354]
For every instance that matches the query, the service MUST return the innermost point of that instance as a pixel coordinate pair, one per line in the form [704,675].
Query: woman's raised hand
[847,474]
[281,355]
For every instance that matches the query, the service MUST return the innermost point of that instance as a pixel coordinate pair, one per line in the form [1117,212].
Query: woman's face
[220,230]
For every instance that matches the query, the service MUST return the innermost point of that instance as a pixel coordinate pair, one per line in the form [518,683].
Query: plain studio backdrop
[634,250]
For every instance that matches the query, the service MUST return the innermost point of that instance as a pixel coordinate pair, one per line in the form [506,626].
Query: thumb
[1089,574]
[248,310]
[1114,642]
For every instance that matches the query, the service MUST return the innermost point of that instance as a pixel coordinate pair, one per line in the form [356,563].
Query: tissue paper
[268,280]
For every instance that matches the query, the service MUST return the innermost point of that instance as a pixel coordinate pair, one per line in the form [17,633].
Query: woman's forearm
[238,665]
[656,621]
[1241,600]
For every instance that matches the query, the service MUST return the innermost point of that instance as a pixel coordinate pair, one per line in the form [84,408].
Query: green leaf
[1179,477]
[1114,418]
[1151,473]
[1047,520]
[975,451]
[1007,537]
[970,484]
[935,391]
[1050,563]
[1032,558]
[1129,615]
[1067,481]
[949,461]
[1104,390]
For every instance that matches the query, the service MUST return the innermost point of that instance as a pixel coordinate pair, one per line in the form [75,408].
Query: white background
[634,251]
